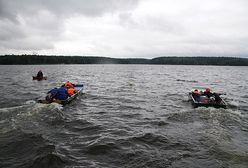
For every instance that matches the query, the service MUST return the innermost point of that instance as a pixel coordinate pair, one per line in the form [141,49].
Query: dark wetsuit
[40,74]
[216,96]
[208,94]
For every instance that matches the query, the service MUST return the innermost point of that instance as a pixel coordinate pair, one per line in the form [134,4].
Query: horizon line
[122,57]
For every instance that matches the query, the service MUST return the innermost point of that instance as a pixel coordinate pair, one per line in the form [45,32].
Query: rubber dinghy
[203,101]
[79,90]
[39,78]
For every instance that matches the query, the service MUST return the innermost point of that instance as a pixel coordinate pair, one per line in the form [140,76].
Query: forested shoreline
[171,60]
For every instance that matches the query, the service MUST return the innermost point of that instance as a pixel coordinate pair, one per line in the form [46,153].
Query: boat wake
[29,116]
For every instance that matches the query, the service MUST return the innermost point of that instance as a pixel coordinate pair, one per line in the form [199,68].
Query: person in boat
[40,74]
[68,84]
[217,98]
[196,95]
[57,94]
[70,88]
[71,91]
[207,93]
[213,97]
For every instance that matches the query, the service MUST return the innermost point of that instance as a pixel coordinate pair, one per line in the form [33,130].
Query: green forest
[171,60]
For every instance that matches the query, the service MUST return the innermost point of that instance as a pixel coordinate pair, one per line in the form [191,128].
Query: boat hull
[39,78]
[195,103]
[79,90]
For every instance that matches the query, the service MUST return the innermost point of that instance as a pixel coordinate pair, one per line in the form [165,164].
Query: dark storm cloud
[32,22]
[63,8]
[125,28]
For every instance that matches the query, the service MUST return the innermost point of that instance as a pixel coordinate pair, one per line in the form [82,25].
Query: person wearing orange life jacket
[68,84]
[71,91]
[197,92]
[196,95]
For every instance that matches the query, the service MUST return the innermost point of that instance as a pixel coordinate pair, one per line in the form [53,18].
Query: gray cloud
[63,8]
[38,24]
[125,28]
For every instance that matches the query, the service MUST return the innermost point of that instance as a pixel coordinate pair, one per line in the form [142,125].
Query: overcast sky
[124,28]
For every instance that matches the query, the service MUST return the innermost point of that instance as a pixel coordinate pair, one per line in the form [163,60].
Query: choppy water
[129,116]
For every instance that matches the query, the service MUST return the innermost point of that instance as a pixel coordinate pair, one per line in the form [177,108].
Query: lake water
[131,116]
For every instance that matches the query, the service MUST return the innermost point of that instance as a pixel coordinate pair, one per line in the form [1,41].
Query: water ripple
[129,116]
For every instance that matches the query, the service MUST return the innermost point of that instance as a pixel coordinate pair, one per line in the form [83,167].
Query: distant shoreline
[168,60]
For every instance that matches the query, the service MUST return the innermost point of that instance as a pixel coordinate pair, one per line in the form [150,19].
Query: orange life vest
[71,91]
[197,92]
[66,84]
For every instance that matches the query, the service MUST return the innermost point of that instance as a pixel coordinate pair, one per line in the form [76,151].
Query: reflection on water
[129,116]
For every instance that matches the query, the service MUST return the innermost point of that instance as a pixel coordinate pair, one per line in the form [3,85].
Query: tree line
[172,60]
